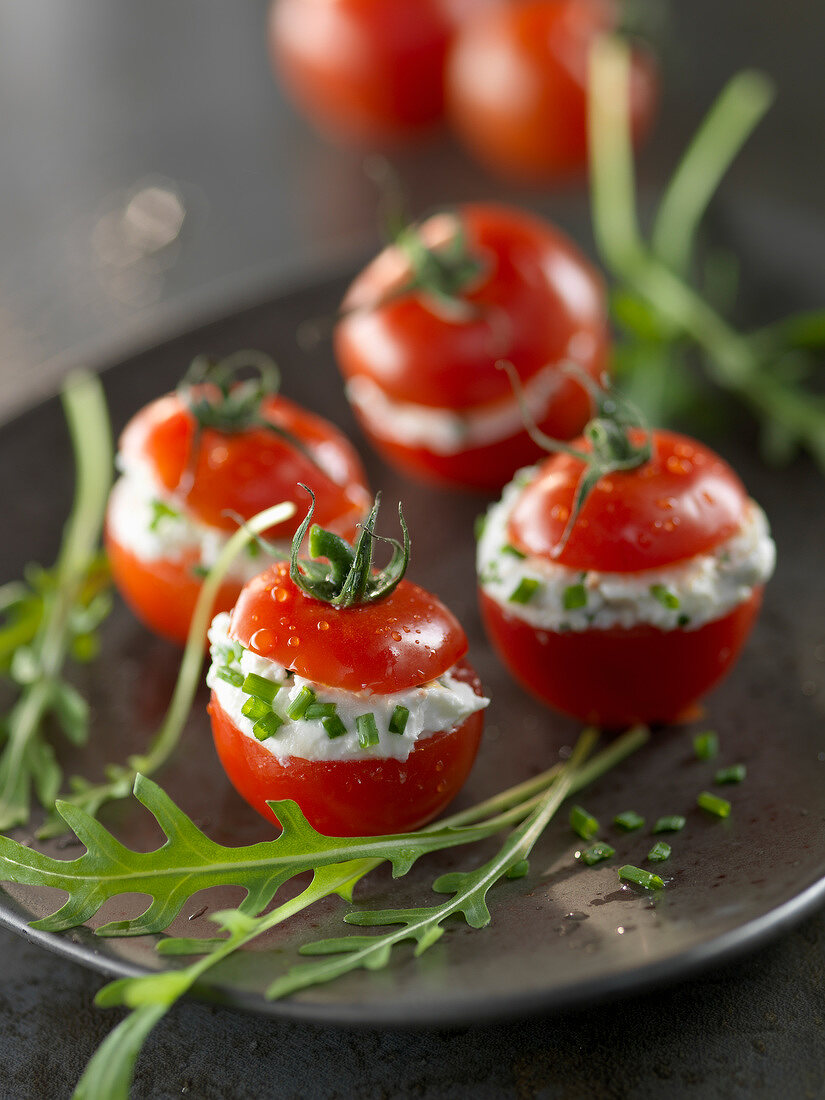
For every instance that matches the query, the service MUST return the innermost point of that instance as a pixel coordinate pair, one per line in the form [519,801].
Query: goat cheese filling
[146,519]
[449,431]
[683,596]
[315,722]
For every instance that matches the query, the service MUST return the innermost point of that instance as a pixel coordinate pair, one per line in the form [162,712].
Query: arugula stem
[85,409]
[725,129]
[121,779]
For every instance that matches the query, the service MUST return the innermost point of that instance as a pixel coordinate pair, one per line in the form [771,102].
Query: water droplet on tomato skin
[666,503]
[323,624]
[262,639]
[396,637]
[293,641]
[644,539]
[442,786]
[280,595]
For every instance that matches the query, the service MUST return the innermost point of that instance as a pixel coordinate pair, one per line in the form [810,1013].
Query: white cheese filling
[682,596]
[145,518]
[442,704]
[449,431]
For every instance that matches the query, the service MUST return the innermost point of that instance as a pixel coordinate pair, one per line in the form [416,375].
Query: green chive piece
[260,688]
[583,823]
[320,710]
[230,675]
[334,727]
[479,524]
[199,571]
[253,549]
[734,774]
[575,595]
[298,707]
[255,708]
[596,853]
[639,877]
[672,824]
[267,727]
[161,511]
[398,721]
[719,807]
[513,551]
[706,745]
[659,852]
[520,869]
[367,730]
[525,590]
[683,620]
[665,597]
[629,820]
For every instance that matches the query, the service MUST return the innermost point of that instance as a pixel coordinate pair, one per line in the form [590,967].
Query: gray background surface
[99,97]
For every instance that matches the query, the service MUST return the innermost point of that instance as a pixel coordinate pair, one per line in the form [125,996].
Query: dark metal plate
[564,934]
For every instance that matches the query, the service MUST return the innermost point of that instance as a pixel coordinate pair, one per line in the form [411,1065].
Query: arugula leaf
[43,624]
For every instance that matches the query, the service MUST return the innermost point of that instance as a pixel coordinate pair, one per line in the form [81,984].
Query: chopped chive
[683,620]
[672,824]
[519,870]
[398,721]
[230,675]
[334,727]
[298,707]
[367,730]
[639,877]
[255,708]
[320,710]
[199,570]
[260,688]
[720,807]
[596,853]
[575,595]
[659,852]
[161,511]
[665,597]
[267,727]
[629,820]
[525,590]
[253,549]
[514,551]
[583,823]
[479,524]
[734,774]
[706,745]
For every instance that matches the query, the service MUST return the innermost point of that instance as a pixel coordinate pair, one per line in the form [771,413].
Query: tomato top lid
[229,447]
[685,500]
[344,624]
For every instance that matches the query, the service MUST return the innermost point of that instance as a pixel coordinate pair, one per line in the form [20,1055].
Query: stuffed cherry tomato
[637,608]
[428,320]
[344,690]
[369,71]
[517,85]
[197,462]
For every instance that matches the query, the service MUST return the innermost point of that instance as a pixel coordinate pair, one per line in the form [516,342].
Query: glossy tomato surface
[536,302]
[619,676]
[355,797]
[245,472]
[685,501]
[367,71]
[517,85]
[399,642]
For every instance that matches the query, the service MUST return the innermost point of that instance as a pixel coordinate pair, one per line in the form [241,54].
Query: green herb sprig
[662,313]
[55,618]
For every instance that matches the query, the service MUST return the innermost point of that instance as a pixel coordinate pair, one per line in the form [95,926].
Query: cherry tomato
[399,642]
[239,473]
[684,502]
[517,85]
[368,71]
[354,797]
[534,301]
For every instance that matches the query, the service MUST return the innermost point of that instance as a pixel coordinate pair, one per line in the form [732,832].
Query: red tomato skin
[357,797]
[406,639]
[616,677]
[517,86]
[538,302]
[248,471]
[369,72]
[685,501]
[162,593]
